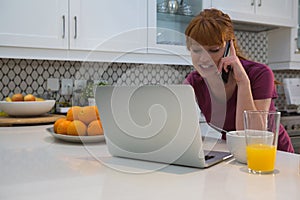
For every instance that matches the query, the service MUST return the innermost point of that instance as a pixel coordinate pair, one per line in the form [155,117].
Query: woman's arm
[245,98]
[245,102]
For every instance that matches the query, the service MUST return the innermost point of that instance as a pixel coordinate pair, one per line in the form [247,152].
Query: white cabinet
[235,6]
[282,50]
[74,24]
[166,30]
[108,25]
[268,12]
[131,31]
[34,23]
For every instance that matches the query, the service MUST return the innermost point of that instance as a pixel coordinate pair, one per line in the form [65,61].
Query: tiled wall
[30,76]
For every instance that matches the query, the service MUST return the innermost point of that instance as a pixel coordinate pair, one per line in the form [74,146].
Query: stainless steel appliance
[291,118]
[292,91]
[292,125]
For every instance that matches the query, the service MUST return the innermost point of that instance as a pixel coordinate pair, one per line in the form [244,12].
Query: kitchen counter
[34,165]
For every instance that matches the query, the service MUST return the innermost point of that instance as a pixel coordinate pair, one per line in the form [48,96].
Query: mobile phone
[224,73]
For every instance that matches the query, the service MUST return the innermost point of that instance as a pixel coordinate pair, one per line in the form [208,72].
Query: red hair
[211,27]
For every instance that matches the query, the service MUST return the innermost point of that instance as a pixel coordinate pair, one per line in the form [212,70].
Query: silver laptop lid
[151,122]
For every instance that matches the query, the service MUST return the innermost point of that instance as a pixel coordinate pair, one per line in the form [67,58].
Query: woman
[250,85]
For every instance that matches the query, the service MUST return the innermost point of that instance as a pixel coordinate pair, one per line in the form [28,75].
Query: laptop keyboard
[208,157]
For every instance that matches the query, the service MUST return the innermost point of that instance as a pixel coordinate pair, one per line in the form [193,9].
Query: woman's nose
[204,59]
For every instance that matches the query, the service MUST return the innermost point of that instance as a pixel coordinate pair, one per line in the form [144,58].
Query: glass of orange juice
[261,131]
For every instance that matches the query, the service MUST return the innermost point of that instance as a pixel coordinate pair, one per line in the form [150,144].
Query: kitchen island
[35,165]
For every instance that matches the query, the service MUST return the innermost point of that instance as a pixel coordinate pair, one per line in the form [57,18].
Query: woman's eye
[197,50]
[214,50]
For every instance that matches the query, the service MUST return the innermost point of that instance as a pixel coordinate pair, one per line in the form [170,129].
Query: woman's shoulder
[255,68]
[249,64]
[193,77]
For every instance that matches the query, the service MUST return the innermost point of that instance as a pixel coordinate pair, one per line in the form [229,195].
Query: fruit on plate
[80,121]
[20,97]
[3,114]
[8,99]
[17,97]
[39,99]
[72,113]
[63,127]
[76,128]
[95,128]
[29,97]
[88,114]
[57,122]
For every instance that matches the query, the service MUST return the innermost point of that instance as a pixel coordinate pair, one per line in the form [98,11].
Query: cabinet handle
[296,46]
[75,33]
[252,2]
[259,3]
[64,26]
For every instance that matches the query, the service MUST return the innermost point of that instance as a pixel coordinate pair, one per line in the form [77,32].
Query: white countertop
[34,165]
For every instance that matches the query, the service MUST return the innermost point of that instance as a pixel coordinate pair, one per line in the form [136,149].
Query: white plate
[26,108]
[78,139]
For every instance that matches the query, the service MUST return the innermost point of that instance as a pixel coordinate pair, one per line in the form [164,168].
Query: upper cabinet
[145,31]
[74,24]
[108,25]
[284,46]
[283,51]
[268,12]
[167,22]
[34,23]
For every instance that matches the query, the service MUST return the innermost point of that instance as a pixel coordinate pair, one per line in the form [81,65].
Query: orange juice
[261,157]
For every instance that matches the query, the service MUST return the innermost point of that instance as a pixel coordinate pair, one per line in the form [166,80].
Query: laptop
[157,123]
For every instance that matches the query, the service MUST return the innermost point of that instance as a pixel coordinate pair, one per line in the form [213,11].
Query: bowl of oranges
[19,105]
[81,124]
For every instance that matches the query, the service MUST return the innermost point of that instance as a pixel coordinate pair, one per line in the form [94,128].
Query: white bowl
[26,108]
[236,144]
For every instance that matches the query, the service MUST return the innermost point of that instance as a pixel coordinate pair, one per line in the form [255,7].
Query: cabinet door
[166,30]
[276,9]
[34,23]
[116,25]
[235,7]
[269,12]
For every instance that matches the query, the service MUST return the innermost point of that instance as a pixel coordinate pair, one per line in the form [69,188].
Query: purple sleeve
[262,82]
[186,81]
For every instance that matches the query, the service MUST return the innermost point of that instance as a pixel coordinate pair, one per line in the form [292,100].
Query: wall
[30,76]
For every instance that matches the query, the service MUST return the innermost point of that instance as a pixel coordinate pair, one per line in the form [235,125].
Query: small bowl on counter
[236,144]
[26,108]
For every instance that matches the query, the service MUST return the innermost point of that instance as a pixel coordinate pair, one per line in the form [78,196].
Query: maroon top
[262,87]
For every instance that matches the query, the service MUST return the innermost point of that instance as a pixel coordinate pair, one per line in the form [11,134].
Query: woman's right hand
[239,74]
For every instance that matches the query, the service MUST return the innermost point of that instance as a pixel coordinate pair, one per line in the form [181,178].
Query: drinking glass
[261,131]
[173,6]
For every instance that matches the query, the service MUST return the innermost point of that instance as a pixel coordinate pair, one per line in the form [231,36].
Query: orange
[72,113]
[62,127]
[76,127]
[95,128]
[97,112]
[87,114]
[57,122]
[17,97]
[29,97]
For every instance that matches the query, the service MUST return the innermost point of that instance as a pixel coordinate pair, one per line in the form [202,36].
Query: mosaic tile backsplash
[30,76]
